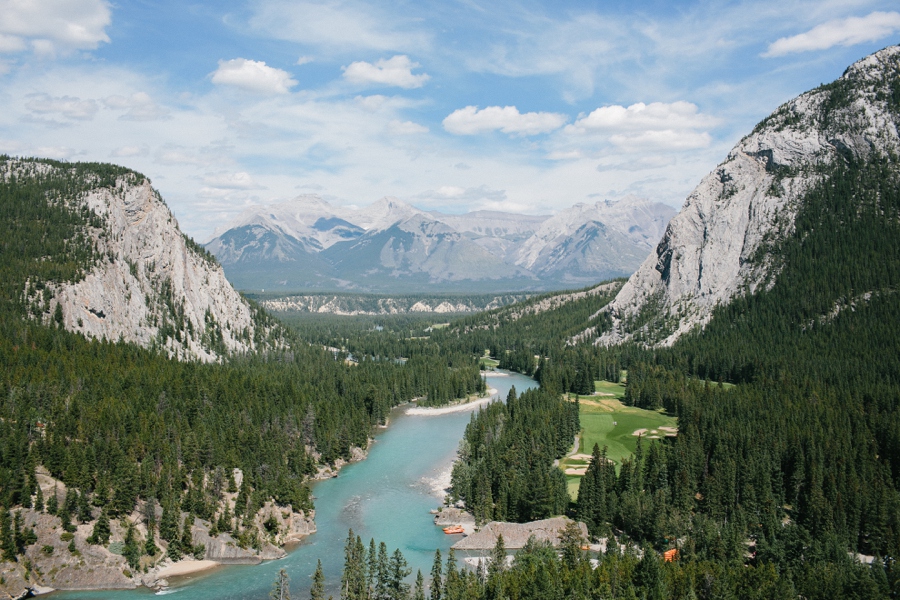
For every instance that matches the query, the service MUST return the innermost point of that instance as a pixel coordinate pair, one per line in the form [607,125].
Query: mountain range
[392,246]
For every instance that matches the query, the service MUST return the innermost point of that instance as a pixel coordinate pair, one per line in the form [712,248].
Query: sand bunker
[639,432]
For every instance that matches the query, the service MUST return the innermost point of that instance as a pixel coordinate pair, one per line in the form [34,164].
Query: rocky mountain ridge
[150,285]
[718,246]
[392,246]
[349,305]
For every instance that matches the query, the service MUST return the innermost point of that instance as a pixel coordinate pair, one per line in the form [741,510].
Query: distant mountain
[391,246]
[139,279]
[726,241]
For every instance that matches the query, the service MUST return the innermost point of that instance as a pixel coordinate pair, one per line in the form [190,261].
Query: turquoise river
[388,497]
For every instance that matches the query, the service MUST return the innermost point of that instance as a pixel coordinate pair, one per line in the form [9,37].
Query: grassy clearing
[607,422]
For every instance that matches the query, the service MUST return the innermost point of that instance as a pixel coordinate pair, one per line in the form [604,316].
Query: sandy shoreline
[444,410]
[185,567]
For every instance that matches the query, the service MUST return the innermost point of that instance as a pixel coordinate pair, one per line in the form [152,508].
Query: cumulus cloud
[839,32]
[470,121]
[640,116]
[397,127]
[674,126]
[395,71]
[65,106]
[49,26]
[253,75]
[139,107]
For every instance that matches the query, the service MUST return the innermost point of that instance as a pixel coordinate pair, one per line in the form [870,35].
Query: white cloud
[395,71]
[672,126]
[458,194]
[565,155]
[305,60]
[139,107]
[398,127]
[253,75]
[664,139]
[339,24]
[839,32]
[53,25]
[129,151]
[640,116]
[470,121]
[57,152]
[231,181]
[65,106]
[11,43]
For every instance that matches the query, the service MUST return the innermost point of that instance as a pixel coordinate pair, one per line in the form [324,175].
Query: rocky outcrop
[717,246]
[151,285]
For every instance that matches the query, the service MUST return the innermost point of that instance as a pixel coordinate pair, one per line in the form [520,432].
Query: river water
[388,497]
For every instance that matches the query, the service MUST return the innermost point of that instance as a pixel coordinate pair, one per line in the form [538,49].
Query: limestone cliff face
[151,285]
[716,247]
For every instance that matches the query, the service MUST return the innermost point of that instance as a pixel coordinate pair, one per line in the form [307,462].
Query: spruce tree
[53,502]
[101,532]
[317,591]
[419,593]
[132,549]
[398,570]
[39,500]
[436,577]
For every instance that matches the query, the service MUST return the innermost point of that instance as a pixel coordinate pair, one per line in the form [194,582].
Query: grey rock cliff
[715,248]
[152,285]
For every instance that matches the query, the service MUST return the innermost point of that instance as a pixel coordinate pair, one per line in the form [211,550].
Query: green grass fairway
[607,422]
[608,388]
[488,362]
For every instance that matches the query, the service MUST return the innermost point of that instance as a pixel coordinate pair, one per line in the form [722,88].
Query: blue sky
[453,105]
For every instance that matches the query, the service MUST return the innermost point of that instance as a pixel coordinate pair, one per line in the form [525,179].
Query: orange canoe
[453,529]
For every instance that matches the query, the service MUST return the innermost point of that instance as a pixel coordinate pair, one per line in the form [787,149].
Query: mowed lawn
[607,422]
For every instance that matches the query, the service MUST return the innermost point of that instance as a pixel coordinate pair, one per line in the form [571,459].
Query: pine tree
[452,582]
[398,570]
[372,567]
[353,578]
[132,549]
[150,547]
[496,568]
[436,579]
[382,578]
[317,591]
[101,532]
[53,502]
[419,593]
[281,589]
[39,500]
